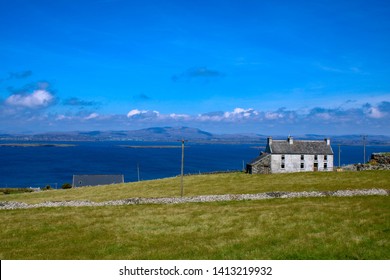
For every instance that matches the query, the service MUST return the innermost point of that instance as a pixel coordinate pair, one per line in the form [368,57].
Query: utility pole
[138,170]
[364,148]
[182,168]
[339,154]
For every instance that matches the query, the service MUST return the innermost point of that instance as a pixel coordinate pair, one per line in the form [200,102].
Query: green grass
[306,228]
[230,183]
[300,228]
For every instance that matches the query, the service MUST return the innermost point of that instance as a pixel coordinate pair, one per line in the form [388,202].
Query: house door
[315,166]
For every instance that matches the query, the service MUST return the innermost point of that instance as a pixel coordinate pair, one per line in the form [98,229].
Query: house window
[315,157]
[302,157]
[302,165]
[282,166]
[325,157]
[283,157]
[325,165]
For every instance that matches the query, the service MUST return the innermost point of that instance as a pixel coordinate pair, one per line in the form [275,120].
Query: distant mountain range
[173,134]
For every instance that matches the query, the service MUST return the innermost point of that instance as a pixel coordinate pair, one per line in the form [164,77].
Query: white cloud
[375,113]
[236,114]
[134,112]
[241,113]
[142,114]
[179,116]
[62,117]
[210,117]
[273,115]
[91,116]
[39,98]
[324,116]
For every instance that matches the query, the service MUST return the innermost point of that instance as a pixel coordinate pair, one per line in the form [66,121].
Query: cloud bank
[364,117]
[373,118]
[37,110]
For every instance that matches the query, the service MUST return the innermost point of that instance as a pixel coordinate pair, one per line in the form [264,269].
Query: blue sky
[267,67]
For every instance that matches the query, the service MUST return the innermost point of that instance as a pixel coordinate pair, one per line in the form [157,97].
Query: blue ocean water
[40,166]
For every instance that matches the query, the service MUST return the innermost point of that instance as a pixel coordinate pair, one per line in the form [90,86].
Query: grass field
[300,228]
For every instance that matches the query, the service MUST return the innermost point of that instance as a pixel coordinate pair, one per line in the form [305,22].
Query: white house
[282,156]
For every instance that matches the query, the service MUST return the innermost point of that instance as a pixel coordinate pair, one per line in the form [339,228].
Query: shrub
[15,190]
[66,186]
[48,187]
[373,162]
[7,191]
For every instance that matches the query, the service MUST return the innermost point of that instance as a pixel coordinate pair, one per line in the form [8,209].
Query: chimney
[327,141]
[290,140]
[269,140]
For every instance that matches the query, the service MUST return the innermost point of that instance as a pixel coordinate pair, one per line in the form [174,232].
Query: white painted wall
[292,163]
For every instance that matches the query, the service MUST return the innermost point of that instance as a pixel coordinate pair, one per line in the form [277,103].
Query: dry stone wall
[10,205]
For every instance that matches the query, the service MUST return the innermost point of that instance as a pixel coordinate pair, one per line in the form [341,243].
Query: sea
[40,165]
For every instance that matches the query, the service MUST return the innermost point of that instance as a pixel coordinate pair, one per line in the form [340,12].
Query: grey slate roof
[96,180]
[260,157]
[300,147]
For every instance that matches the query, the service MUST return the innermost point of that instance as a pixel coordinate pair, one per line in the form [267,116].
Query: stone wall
[8,205]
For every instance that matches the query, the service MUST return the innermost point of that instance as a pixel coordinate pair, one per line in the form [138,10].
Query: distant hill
[147,134]
[171,134]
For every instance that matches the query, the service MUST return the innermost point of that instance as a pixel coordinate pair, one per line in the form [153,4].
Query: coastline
[151,147]
[35,145]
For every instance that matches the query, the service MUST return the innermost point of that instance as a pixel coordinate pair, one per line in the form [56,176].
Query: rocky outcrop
[378,161]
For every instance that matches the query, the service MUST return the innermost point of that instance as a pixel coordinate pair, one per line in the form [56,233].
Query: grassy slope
[304,228]
[315,228]
[231,183]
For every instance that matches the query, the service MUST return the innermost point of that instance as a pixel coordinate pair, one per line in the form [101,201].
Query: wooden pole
[182,168]
[364,149]
[138,171]
[339,155]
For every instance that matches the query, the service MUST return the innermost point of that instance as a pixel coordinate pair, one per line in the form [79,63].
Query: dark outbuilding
[96,180]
